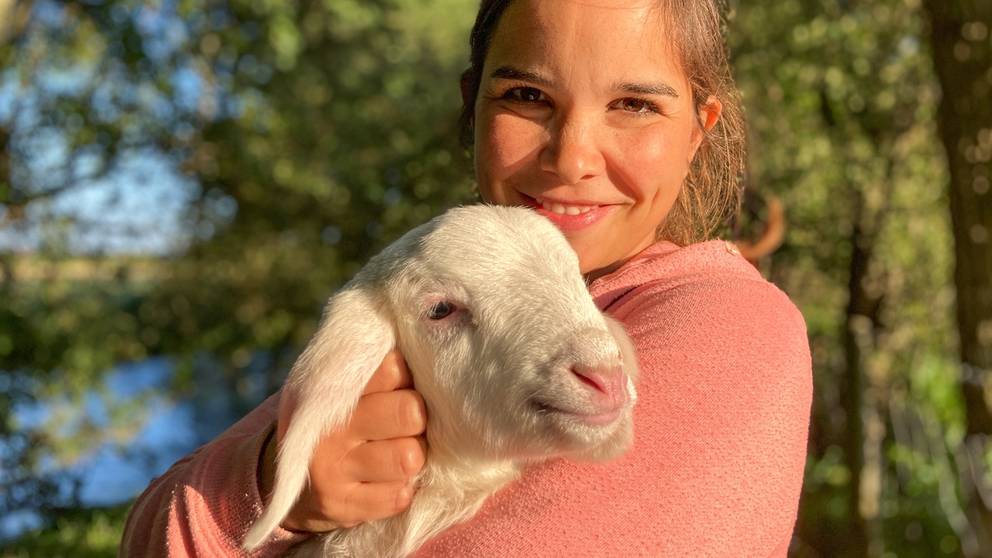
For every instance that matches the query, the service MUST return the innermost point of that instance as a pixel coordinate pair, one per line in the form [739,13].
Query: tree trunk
[5,172]
[862,445]
[9,213]
[962,54]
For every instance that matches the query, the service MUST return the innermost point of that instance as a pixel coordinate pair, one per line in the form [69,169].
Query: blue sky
[139,207]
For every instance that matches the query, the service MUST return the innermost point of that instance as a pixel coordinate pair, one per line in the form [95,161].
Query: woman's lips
[583,215]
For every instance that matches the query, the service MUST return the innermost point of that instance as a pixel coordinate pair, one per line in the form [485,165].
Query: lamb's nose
[607,382]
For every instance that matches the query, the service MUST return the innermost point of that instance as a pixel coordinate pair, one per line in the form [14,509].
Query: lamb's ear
[324,385]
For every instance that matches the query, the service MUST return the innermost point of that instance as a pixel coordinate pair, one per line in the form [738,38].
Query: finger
[391,414]
[369,501]
[392,374]
[386,460]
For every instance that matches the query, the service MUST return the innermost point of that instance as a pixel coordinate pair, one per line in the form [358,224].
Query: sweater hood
[667,265]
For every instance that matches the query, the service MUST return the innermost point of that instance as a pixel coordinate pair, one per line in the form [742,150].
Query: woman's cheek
[634,160]
[506,147]
[513,137]
[644,148]
[652,161]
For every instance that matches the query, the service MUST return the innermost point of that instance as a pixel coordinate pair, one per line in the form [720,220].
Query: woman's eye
[440,310]
[525,95]
[636,106]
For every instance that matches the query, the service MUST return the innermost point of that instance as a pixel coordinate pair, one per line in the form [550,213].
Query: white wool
[492,374]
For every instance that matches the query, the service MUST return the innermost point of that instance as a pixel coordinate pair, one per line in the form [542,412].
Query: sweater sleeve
[720,440]
[205,503]
[730,391]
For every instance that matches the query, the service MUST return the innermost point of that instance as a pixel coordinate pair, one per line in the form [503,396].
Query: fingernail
[404,496]
[417,413]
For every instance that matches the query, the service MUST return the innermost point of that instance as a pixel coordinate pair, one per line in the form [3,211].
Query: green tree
[841,104]
[962,56]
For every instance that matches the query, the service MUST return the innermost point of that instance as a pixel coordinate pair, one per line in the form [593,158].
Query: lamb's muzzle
[513,359]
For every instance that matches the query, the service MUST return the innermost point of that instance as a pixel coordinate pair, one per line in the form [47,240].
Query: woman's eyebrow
[658,88]
[509,72]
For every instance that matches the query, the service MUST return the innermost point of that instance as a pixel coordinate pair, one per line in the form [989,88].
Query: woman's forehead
[608,39]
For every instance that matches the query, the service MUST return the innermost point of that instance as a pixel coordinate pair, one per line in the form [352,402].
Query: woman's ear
[707,117]
[709,113]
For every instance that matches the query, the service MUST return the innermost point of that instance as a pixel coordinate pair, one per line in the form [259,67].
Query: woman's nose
[572,153]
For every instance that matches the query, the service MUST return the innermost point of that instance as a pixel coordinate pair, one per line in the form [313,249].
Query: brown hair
[711,194]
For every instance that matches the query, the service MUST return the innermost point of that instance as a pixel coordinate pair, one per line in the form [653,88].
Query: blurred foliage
[313,133]
[842,103]
[76,533]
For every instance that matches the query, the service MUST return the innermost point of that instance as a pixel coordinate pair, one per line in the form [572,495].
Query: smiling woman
[618,121]
[575,102]
[616,97]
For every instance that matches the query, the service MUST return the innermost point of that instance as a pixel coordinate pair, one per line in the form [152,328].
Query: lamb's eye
[440,310]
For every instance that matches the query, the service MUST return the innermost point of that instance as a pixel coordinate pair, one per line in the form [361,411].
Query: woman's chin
[592,262]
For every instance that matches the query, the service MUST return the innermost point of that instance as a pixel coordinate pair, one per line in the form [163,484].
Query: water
[111,475]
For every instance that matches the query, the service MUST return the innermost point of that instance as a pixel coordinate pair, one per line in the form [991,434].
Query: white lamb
[513,359]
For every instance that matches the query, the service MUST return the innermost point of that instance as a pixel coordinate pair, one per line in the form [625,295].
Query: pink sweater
[716,468]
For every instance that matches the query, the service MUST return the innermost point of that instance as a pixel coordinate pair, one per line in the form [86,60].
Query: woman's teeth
[566,209]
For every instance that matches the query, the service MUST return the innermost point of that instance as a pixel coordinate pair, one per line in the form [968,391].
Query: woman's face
[584,114]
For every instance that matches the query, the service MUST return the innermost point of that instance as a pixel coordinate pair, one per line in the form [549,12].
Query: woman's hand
[363,471]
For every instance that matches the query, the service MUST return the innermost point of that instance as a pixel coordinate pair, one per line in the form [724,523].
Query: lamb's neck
[452,475]
[451,491]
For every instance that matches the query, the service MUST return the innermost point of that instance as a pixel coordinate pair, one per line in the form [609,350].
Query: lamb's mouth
[597,418]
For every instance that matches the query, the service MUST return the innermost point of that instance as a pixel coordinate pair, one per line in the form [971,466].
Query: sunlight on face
[585,114]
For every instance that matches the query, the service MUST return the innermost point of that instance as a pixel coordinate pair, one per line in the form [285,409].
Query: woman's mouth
[568,216]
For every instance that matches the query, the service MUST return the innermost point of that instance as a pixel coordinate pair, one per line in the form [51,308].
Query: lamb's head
[505,344]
